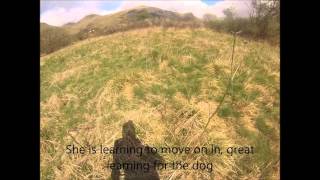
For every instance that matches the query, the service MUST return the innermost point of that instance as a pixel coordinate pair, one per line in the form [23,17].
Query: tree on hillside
[209,17]
[229,19]
[263,21]
[229,13]
[265,16]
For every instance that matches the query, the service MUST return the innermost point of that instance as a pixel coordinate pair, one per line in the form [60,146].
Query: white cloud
[241,7]
[63,12]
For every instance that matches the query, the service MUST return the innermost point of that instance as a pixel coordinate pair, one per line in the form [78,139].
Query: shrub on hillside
[53,38]
[263,22]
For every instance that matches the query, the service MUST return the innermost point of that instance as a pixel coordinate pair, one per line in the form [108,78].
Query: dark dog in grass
[134,165]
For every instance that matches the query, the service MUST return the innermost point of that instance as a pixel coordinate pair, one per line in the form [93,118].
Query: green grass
[139,92]
[228,111]
[162,79]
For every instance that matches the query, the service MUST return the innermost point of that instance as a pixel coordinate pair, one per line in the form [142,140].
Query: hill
[136,17]
[168,81]
[54,38]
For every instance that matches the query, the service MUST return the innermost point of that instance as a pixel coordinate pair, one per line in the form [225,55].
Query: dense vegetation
[263,22]
[53,38]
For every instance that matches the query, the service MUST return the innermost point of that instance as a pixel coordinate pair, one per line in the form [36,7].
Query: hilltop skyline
[58,13]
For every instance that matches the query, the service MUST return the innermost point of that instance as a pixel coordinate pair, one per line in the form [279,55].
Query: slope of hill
[167,81]
[95,25]
[53,38]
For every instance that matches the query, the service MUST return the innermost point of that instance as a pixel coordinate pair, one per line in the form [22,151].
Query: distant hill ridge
[53,38]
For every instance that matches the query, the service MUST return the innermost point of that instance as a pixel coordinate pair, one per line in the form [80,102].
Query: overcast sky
[61,12]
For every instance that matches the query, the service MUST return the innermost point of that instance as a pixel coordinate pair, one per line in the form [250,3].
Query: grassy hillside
[167,81]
